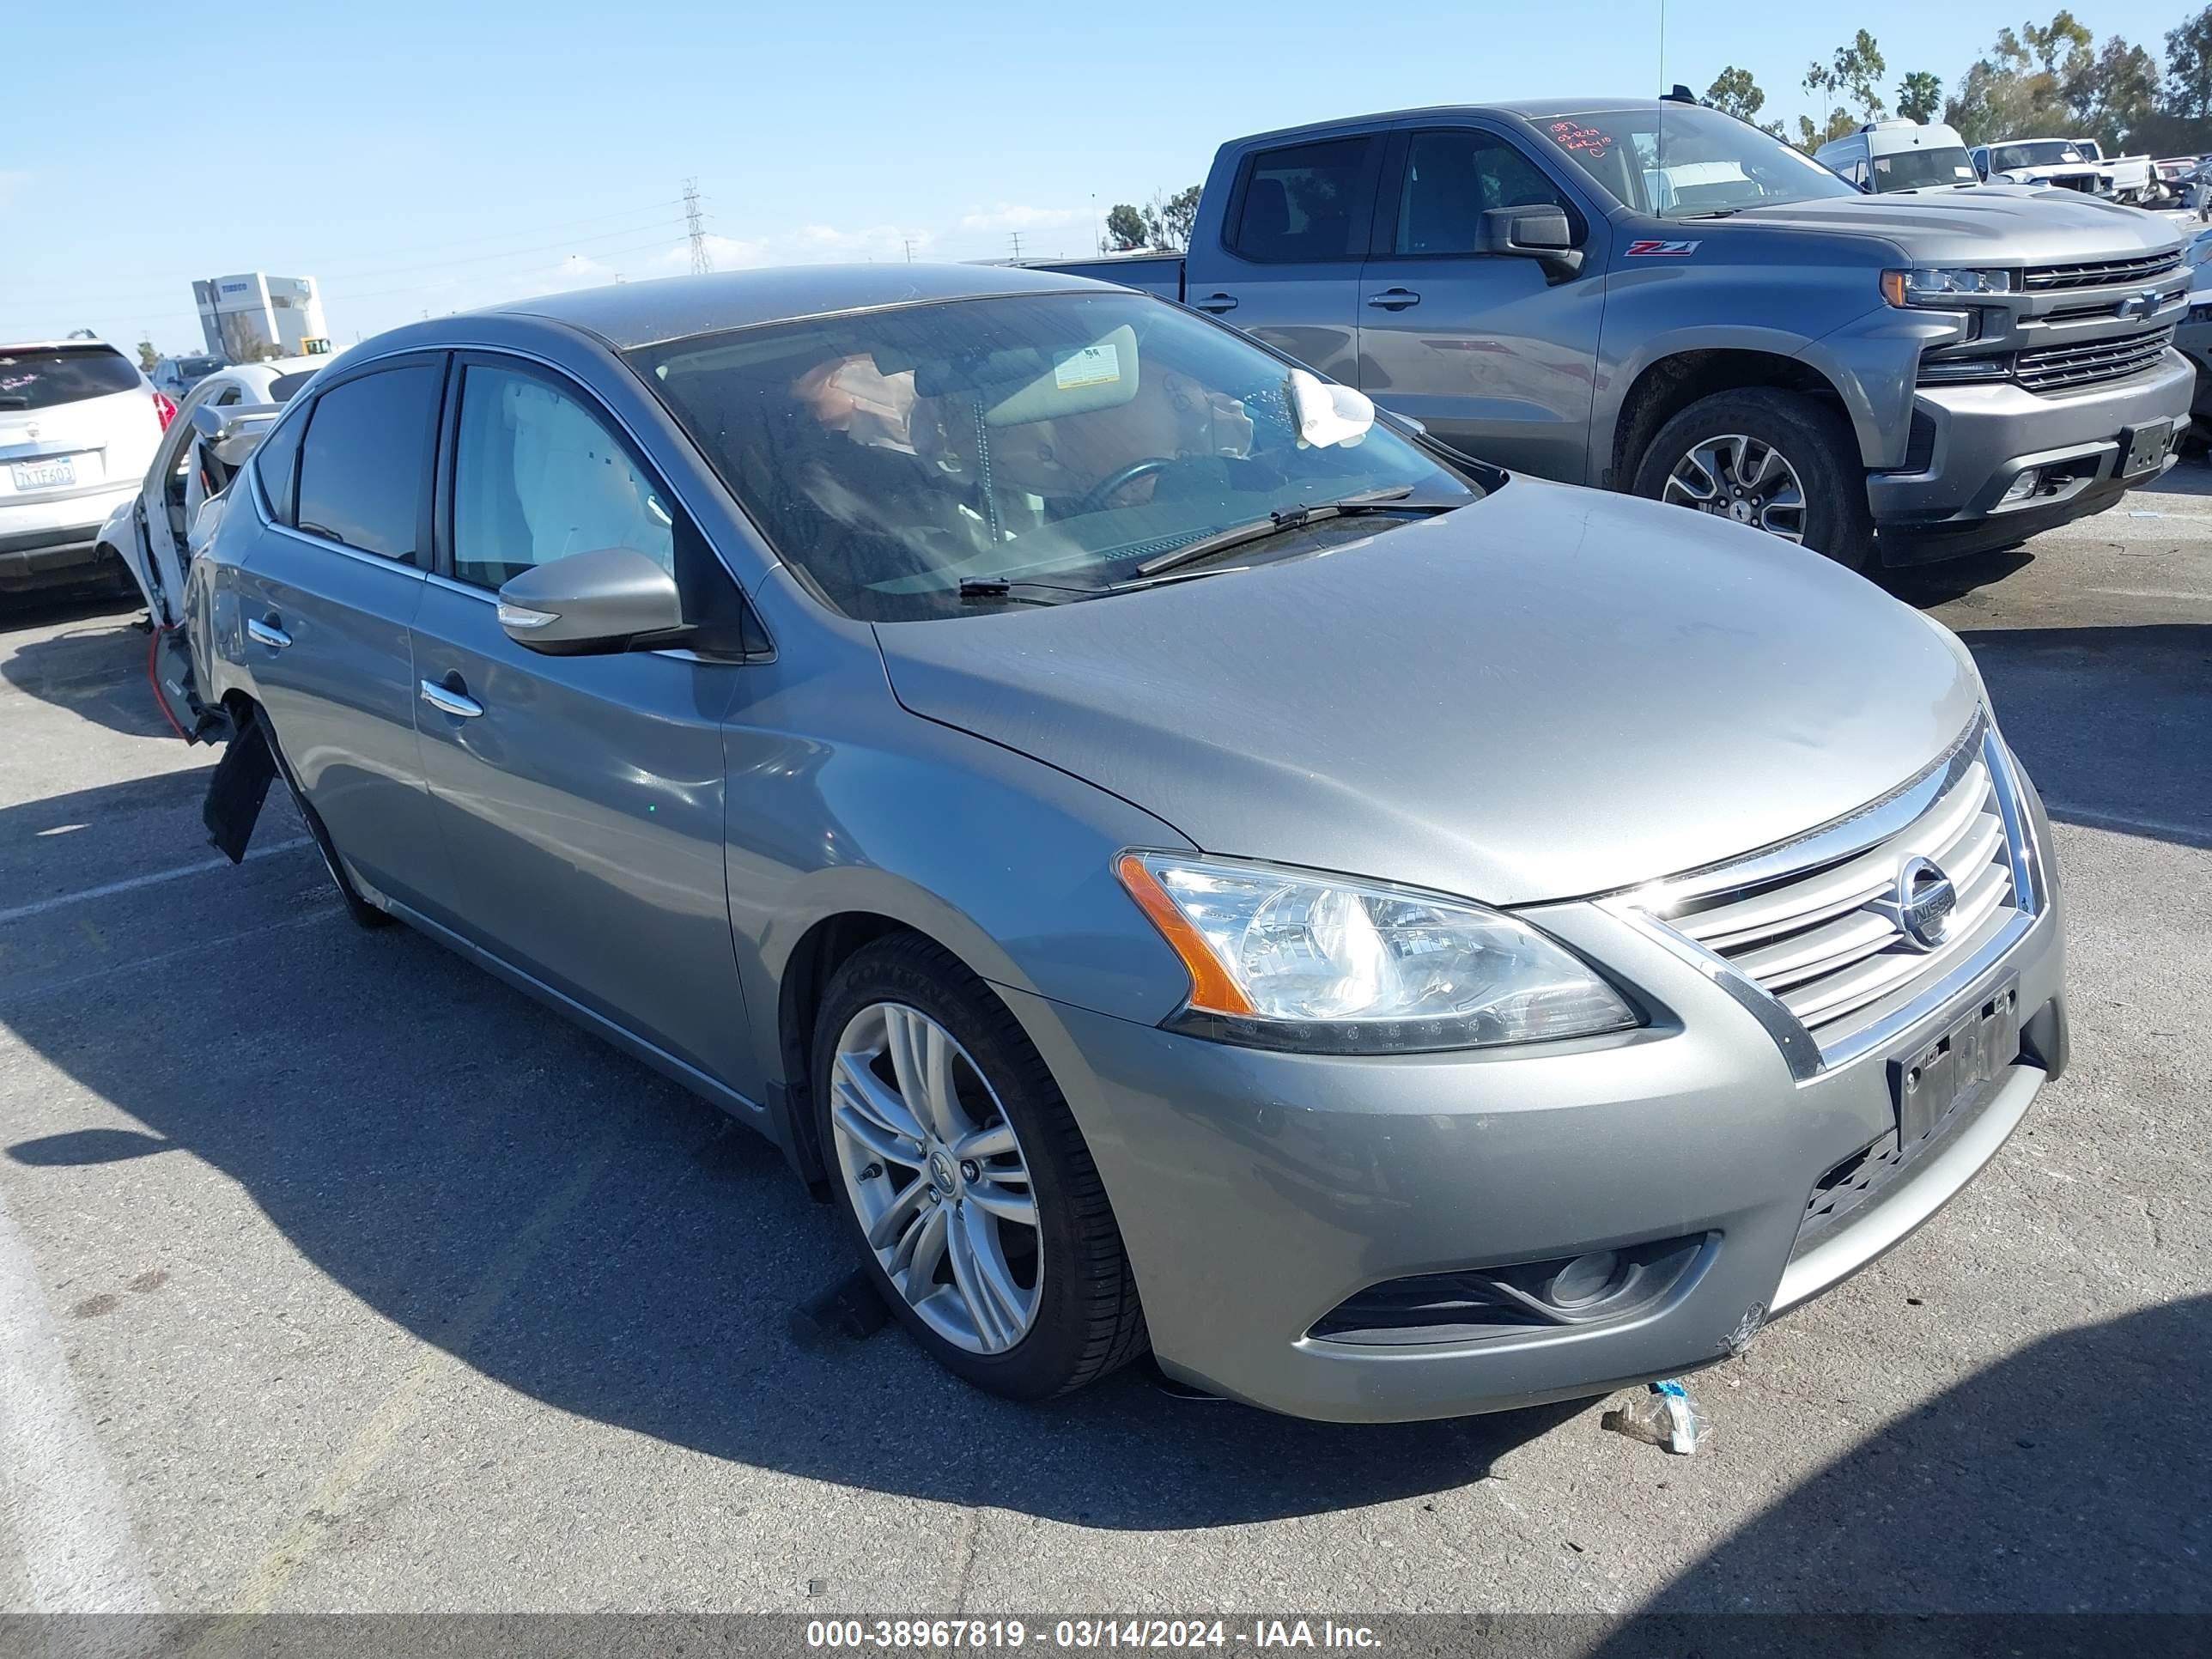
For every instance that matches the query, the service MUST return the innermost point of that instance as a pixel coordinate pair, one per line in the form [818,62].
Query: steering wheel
[1100,493]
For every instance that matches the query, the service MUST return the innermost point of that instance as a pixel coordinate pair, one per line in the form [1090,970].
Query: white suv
[78,427]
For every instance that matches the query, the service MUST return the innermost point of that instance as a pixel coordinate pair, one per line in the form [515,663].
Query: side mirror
[592,603]
[1541,234]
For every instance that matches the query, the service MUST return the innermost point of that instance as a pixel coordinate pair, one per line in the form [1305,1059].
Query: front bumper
[1983,437]
[1255,1191]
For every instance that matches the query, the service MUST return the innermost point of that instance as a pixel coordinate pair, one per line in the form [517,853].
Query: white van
[1886,156]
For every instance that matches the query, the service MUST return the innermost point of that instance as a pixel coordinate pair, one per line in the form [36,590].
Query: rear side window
[364,470]
[54,375]
[1306,204]
[273,462]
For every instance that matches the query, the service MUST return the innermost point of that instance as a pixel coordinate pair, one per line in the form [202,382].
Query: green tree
[1168,221]
[1858,70]
[1734,93]
[1125,228]
[1919,96]
[147,357]
[2189,67]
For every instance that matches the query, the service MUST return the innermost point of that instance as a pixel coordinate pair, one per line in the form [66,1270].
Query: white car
[156,528]
[2058,162]
[78,424]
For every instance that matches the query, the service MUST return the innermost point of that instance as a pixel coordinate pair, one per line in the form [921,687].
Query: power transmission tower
[701,264]
[908,240]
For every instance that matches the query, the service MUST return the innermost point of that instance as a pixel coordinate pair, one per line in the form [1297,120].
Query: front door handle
[268,632]
[452,697]
[1394,298]
[1216,303]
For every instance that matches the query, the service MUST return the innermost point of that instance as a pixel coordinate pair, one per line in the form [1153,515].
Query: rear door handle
[1394,298]
[268,632]
[451,698]
[1216,303]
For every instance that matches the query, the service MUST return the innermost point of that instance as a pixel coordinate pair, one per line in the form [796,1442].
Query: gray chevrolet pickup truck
[1653,296]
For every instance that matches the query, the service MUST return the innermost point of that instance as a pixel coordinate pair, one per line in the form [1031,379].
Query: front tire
[1776,461]
[963,1181]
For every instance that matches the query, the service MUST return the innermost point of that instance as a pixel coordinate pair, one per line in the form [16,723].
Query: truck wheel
[1774,460]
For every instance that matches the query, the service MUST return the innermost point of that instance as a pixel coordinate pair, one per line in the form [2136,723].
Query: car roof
[629,314]
[58,345]
[1527,109]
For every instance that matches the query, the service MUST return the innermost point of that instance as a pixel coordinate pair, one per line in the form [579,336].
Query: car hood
[1999,224]
[1550,693]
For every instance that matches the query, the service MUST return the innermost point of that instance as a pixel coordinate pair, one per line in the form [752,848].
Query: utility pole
[701,264]
[908,240]
[1018,245]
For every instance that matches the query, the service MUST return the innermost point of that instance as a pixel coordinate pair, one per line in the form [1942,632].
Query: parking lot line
[69,1525]
[131,884]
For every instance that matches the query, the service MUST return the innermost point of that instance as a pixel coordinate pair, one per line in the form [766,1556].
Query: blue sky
[430,157]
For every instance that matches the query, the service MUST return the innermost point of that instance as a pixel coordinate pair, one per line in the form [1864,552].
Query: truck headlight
[1290,959]
[1941,286]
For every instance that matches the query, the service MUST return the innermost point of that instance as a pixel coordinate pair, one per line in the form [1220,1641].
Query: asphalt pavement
[335,1275]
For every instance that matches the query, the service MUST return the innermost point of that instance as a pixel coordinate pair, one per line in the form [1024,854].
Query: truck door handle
[1394,298]
[1216,303]
[452,697]
[268,632]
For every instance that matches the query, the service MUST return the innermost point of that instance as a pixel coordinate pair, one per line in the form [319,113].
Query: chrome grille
[2061,368]
[2099,273]
[1821,938]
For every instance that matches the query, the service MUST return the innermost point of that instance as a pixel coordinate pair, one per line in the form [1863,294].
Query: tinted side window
[537,477]
[1304,204]
[1452,178]
[365,465]
[273,463]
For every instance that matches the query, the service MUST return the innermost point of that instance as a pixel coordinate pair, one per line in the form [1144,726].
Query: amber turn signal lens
[1212,989]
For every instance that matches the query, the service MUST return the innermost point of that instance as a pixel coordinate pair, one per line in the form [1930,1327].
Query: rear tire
[364,914]
[1066,1311]
[1813,444]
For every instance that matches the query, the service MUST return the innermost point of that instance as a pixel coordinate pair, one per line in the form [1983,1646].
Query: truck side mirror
[1538,233]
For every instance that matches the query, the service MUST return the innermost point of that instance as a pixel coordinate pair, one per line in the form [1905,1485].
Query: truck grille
[1824,940]
[2062,369]
[2103,273]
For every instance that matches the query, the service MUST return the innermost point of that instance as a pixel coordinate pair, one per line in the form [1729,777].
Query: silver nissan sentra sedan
[1175,857]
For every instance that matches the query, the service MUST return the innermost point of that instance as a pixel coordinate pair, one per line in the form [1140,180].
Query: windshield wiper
[1000,588]
[1290,518]
[1709,213]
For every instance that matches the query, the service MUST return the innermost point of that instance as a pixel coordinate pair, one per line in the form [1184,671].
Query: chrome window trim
[1647,909]
[329,546]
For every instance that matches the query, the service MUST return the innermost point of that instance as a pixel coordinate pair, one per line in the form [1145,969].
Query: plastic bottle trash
[1663,1415]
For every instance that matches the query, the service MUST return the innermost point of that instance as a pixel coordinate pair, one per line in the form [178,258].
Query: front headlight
[1943,287]
[1285,959]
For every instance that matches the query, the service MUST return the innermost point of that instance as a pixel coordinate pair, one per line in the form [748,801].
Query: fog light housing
[1584,1280]
[2022,487]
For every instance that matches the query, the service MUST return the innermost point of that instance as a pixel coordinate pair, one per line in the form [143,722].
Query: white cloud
[1011,215]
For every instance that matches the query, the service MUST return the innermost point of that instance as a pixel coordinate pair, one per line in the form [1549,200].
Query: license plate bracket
[2146,447]
[55,474]
[1928,1085]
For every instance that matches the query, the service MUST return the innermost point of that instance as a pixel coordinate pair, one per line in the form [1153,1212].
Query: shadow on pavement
[507,1188]
[2068,1478]
[95,668]
[2113,724]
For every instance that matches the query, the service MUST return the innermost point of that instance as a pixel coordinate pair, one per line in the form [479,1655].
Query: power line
[701,264]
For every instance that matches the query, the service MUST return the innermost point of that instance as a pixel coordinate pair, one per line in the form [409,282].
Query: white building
[257,314]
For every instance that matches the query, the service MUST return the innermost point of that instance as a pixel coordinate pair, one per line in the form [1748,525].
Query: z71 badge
[1651,247]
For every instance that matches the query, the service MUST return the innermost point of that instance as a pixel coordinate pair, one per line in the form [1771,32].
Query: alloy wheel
[936,1174]
[1743,478]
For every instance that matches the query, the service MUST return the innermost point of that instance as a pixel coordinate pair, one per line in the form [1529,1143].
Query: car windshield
[197,368]
[1678,161]
[1920,169]
[52,375]
[2042,153]
[1055,442]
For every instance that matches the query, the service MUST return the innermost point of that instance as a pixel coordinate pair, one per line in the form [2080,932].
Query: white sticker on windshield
[1091,365]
